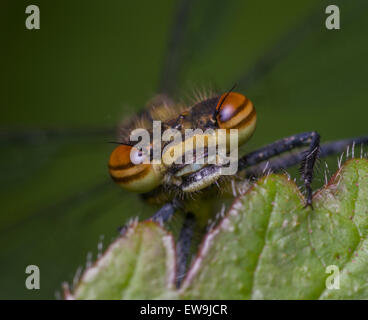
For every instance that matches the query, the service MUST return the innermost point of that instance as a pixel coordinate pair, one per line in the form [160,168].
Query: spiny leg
[183,247]
[308,160]
[339,146]
[274,165]
[165,212]
[161,215]
[327,149]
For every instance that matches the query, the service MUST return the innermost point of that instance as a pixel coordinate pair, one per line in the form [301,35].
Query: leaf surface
[139,265]
[268,246]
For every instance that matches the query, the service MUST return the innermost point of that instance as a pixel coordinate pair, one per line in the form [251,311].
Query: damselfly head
[129,168]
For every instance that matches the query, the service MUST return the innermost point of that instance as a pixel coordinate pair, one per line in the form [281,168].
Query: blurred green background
[65,87]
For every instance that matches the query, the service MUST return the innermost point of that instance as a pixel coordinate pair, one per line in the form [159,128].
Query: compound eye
[127,169]
[236,111]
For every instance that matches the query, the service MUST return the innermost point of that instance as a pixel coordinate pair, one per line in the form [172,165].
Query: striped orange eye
[127,169]
[236,111]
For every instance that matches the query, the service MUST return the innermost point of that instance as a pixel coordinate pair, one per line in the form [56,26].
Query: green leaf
[268,246]
[140,265]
